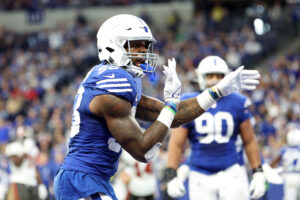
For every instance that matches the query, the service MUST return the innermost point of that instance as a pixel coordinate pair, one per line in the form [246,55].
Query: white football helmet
[293,137]
[210,65]
[119,30]
[14,149]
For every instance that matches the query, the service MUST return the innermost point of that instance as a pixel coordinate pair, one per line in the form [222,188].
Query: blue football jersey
[290,158]
[92,148]
[213,135]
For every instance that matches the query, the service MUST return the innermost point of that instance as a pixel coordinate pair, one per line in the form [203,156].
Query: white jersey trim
[112,80]
[120,90]
[114,85]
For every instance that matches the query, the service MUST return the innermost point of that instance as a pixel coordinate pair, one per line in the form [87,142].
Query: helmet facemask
[140,62]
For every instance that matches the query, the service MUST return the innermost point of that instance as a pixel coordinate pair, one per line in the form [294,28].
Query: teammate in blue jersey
[289,157]
[110,98]
[214,161]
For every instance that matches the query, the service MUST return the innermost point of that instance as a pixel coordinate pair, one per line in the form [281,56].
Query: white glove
[183,172]
[272,175]
[42,191]
[237,80]
[172,89]
[175,187]
[258,185]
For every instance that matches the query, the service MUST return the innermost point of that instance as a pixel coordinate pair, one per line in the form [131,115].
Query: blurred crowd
[40,73]
[276,103]
[9,5]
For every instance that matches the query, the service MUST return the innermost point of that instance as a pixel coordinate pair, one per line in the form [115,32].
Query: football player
[215,172]
[110,97]
[290,159]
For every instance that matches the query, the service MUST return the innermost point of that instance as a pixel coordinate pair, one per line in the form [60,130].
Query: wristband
[172,105]
[213,93]
[205,100]
[166,116]
[257,169]
[169,174]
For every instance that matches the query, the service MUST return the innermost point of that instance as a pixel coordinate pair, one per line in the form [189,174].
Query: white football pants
[230,184]
[291,186]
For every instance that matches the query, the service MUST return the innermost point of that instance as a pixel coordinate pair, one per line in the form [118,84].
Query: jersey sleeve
[114,81]
[245,113]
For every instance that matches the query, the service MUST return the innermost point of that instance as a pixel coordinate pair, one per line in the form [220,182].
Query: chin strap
[140,72]
[136,72]
[150,71]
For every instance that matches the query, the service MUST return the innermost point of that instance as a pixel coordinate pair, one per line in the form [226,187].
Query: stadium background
[47,46]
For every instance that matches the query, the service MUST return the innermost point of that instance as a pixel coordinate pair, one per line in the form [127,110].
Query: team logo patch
[146,29]
[109,76]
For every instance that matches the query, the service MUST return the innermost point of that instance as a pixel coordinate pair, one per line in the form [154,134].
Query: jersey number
[76,115]
[210,127]
[77,102]
[292,161]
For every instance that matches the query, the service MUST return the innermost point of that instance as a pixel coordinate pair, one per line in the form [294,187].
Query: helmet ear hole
[126,45]
[110,49]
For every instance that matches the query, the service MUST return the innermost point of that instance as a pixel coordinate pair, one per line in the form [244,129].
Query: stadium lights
[260,27]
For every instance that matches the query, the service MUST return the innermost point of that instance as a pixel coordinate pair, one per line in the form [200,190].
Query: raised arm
[149,108]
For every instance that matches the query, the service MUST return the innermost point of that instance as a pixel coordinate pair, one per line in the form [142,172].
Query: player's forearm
[250,143]
[156,133]
[253,155]
[38,176]
[149,109]
[174,155]
[188,110]
[275,162]
[136,143]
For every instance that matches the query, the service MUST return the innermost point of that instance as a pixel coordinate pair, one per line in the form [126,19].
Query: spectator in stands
[144,15]
[4,170]
[267,132]
[23,176]
[174,22]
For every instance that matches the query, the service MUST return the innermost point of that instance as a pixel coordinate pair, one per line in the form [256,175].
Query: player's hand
[257,185]
[42,192]
[272,175]
[172,89]
[175,187]
[237,80]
